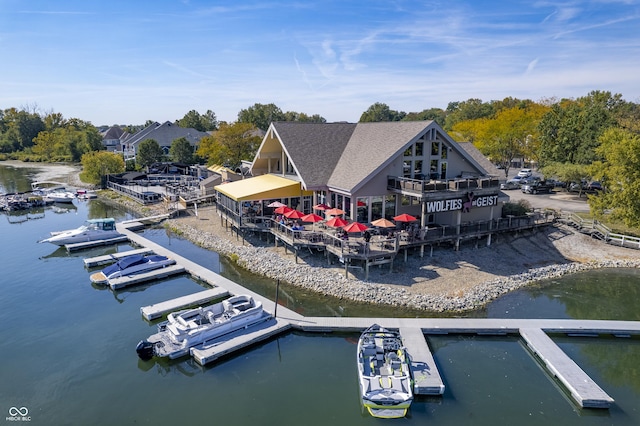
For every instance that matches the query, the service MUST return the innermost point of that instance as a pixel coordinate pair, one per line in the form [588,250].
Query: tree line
[593,137]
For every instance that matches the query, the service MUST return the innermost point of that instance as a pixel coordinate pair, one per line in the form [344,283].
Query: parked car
[528,180]
[537,187]
[556,183]
[524,173]
[594,186]
[510,184]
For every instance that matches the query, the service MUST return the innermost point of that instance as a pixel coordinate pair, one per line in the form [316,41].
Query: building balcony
[438,188]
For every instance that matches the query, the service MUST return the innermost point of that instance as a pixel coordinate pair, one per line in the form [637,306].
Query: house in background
[371,171]
[164,134]
[111,138]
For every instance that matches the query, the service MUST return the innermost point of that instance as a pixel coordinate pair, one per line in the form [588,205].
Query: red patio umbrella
[405,218]
[321,206]
[282,209]
[312,217]
[337,222]
[355,227]
[383,223]
[334,212]
[294,214]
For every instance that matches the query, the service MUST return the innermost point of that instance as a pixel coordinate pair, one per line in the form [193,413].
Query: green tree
[566,172]
[260,115]
[148,152]
[470,109]
[436,114]
[619,172]
[100,163]
[570,131]
[381,112]
[301,117]
[21,128]
[231,144]
[203,123]
[181,151]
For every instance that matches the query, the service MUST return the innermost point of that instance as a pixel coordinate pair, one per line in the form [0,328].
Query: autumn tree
[510,133]
[181,151]
[148,152]
[97,164]
[231,144]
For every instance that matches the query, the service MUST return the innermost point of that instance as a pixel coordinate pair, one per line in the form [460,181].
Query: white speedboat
[131,265]
[60,196]
[383,372]
[92,230]
[190,328]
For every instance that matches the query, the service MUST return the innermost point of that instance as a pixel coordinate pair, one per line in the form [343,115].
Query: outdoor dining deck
[383,245]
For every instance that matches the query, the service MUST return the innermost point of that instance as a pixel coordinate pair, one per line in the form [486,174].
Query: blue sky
[125,62]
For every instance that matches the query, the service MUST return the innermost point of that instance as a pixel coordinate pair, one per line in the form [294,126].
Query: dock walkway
[157,310]
[582,389]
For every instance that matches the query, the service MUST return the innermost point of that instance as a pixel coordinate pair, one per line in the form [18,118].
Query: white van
[525,173]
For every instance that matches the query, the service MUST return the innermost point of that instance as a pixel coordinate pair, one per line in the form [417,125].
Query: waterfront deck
[584,391]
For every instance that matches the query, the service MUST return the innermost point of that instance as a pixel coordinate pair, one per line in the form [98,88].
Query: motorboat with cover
[92,230]
[386,387]
[131,265]
[193,327]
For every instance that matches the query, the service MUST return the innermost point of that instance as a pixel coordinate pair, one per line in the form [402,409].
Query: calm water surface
[67,347]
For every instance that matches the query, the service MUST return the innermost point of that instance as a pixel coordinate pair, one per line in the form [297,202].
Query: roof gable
[314,149]
[371,147]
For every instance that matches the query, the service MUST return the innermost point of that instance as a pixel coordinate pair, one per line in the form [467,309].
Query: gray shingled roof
[371,147]
[314,148]
[166,133]
[479,158]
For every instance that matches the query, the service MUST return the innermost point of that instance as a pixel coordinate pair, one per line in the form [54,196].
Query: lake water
[67,347]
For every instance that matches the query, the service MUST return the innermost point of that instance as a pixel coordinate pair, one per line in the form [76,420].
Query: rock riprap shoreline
[269,262]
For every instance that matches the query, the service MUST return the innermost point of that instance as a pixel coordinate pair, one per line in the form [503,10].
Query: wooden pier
[584,391]
[157,310]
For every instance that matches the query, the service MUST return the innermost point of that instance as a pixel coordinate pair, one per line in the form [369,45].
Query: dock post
[275,308]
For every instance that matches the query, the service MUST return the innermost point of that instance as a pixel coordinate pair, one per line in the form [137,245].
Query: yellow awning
[264,187]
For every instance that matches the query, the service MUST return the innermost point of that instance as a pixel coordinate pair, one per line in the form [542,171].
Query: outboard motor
[145,350]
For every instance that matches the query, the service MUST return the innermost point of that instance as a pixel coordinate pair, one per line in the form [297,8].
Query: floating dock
[156,274]
[96,243]
[263,330]
[426,378]
[157,310]
[582,388]
[106,259]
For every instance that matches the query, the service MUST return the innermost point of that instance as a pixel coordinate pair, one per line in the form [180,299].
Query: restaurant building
[371,171]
